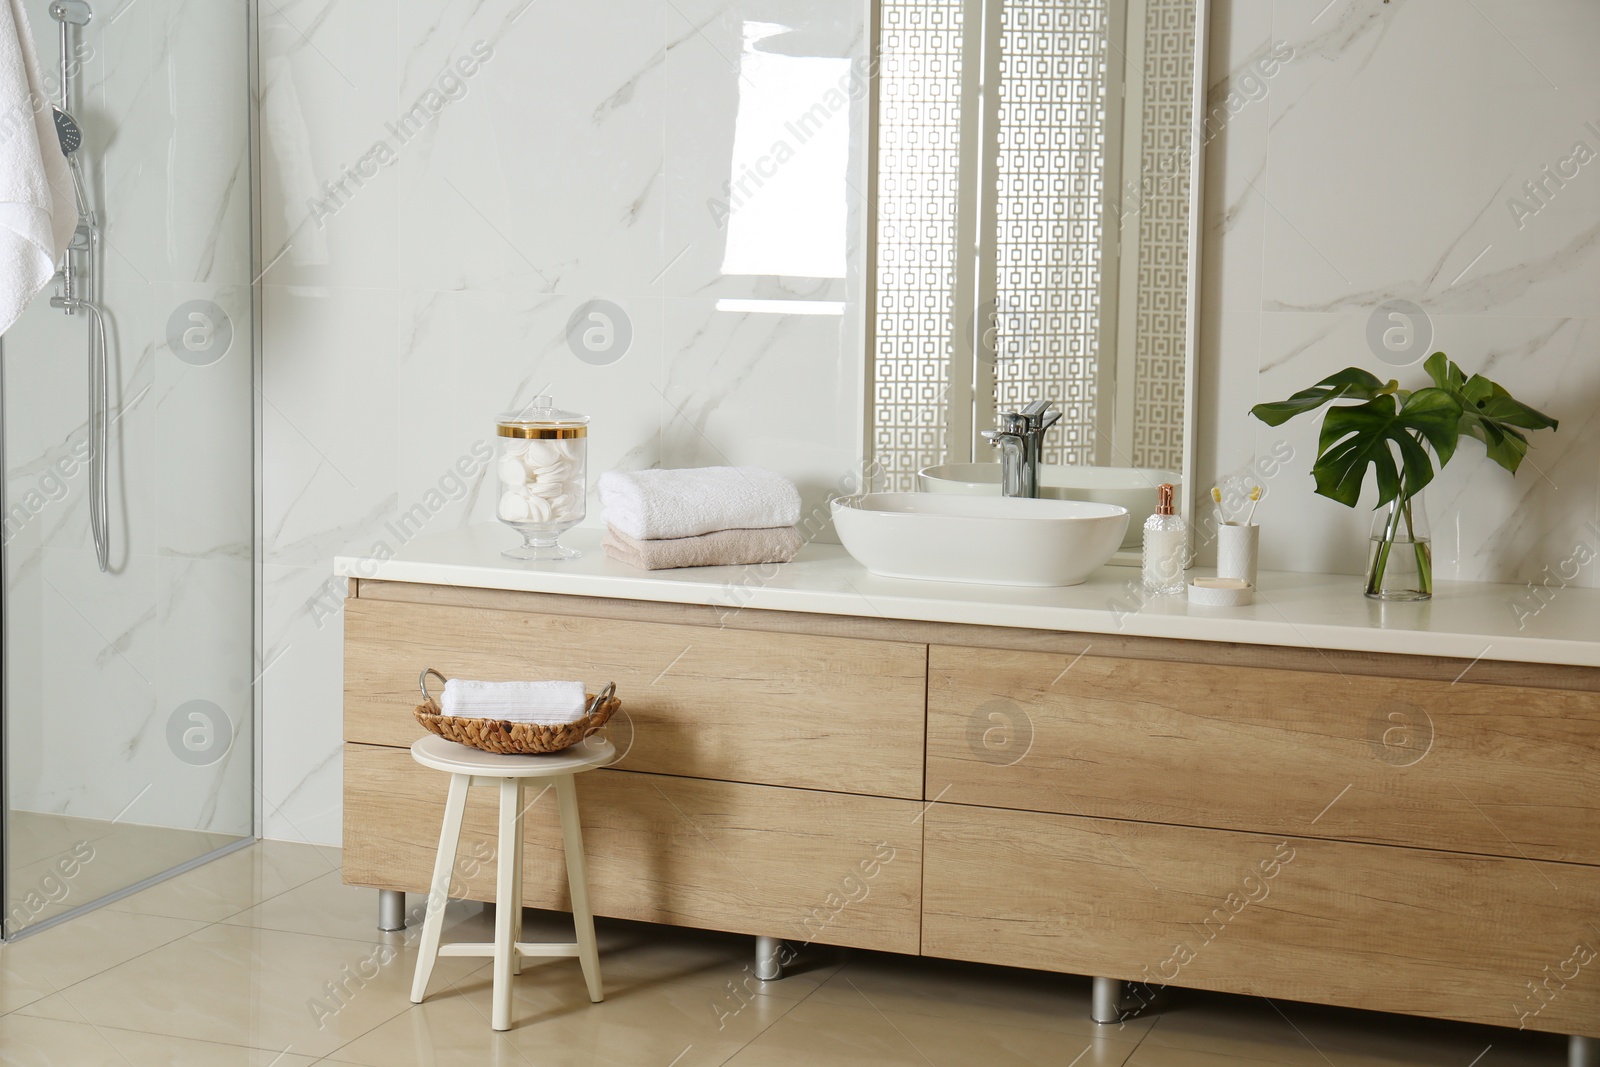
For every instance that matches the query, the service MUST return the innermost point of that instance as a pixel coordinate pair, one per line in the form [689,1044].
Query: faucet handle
[1035,411]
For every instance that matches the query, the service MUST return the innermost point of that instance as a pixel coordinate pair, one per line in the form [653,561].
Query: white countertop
[1470,620]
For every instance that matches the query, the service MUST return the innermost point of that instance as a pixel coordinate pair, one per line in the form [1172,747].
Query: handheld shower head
[71,136]
[68,131]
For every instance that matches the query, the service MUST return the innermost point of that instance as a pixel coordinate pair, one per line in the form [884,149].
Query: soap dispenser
[1165,546]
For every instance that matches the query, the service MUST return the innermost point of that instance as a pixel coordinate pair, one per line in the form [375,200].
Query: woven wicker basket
[515,738]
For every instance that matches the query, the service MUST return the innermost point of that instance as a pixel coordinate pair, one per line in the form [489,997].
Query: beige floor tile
[819,1032]
[78,861]
[36,835]
[555,1025]
[26,1041]
[1309,1035]
[40,964]
[238,881]
[325,906]
[1148,1055]
[260,988]
[1029,999]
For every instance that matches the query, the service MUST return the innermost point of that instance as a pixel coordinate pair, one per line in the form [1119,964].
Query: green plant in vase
[1392,432]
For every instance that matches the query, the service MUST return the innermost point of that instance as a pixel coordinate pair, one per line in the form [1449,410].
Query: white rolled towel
[655,504]
[538,703]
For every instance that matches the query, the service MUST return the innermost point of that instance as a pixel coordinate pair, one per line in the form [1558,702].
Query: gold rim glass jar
[541,468]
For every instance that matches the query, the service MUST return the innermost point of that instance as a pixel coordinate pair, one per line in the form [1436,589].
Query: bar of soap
[1221,592]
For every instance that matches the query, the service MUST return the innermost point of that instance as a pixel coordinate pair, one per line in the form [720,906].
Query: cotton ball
[514,508]
[511,470]
[542,453]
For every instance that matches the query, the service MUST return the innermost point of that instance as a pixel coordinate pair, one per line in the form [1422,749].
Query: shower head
[68,131]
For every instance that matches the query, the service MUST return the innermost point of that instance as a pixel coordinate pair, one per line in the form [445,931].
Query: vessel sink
[1133,488]
[984,540]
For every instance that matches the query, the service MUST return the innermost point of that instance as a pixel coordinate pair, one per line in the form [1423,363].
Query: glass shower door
[129,673]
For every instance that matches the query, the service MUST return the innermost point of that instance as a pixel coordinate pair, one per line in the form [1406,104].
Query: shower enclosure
[128,418]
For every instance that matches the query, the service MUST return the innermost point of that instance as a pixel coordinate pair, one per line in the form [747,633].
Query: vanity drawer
[790,863]
[1486,769]
[738,705]
[1366,926]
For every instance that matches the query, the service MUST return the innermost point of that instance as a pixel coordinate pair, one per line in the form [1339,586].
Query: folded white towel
[540,703]
[655,504]
[37,209]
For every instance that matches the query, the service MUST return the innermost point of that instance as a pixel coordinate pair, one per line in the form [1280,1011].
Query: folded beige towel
[724,548]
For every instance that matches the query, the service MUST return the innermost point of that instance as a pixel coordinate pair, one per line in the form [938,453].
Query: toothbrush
[1216,495]
[1255,498]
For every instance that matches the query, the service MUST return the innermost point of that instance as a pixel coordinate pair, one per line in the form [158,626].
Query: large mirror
[1036,187]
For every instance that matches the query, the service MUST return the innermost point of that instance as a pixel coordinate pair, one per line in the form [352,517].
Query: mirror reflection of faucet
[1020,440]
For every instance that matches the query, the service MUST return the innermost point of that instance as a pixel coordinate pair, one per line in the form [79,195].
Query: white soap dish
[1221,592]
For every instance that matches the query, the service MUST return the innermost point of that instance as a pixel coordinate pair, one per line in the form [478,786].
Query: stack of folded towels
[701,517]
[536,703]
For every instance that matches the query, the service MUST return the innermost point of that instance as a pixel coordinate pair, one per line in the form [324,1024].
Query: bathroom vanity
[1320,798]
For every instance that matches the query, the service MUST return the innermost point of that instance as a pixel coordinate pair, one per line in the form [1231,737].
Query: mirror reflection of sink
[1133,488]
[969,538]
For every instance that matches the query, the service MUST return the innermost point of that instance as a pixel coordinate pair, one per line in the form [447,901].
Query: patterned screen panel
[1050,189]
[1054,301]
[1164,235]
[919,120]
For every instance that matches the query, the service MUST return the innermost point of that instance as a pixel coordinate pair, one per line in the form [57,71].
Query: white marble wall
[1379,164]
[98,663]
[575,162]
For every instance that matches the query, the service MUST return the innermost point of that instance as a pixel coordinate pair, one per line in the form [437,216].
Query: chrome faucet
[1020,440]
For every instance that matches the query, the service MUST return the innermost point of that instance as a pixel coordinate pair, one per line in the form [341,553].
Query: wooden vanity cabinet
[1379,832]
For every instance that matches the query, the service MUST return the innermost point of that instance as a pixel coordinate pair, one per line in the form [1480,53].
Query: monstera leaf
[1369,435]
[1388,430]
[1352,383]
[1488,412]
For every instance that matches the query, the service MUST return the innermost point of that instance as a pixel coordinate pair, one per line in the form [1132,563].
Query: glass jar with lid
[541,467]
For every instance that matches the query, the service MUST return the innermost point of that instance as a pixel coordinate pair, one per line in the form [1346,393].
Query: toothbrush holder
[1238,545]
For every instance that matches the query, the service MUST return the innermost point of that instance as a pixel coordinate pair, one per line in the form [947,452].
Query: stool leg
[578,886]
[444,863]
[516,883]
[1583,1051]
[508,872]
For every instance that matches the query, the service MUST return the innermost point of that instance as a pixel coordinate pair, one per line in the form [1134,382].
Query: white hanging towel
[38,212]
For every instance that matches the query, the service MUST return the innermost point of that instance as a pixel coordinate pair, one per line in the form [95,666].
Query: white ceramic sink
[985,540]
[1133,488]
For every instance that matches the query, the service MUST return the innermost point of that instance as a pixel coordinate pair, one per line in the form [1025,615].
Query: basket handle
[601,697]
[422,684]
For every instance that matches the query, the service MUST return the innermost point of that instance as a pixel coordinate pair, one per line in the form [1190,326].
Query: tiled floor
[101,855]
[263,959]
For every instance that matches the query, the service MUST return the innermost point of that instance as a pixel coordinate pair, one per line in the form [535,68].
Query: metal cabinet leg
[391,909]
[1583,1052]
[1105,1003]
[769,962]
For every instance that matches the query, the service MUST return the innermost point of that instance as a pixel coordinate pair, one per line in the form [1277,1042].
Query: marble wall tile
[1396,140]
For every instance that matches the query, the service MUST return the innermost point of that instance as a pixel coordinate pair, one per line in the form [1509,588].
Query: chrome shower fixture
[68,13]
[79,283]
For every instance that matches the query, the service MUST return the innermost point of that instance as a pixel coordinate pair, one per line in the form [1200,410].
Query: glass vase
[1400,557]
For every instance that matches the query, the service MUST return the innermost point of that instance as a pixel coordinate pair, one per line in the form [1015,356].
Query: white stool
[467,766]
